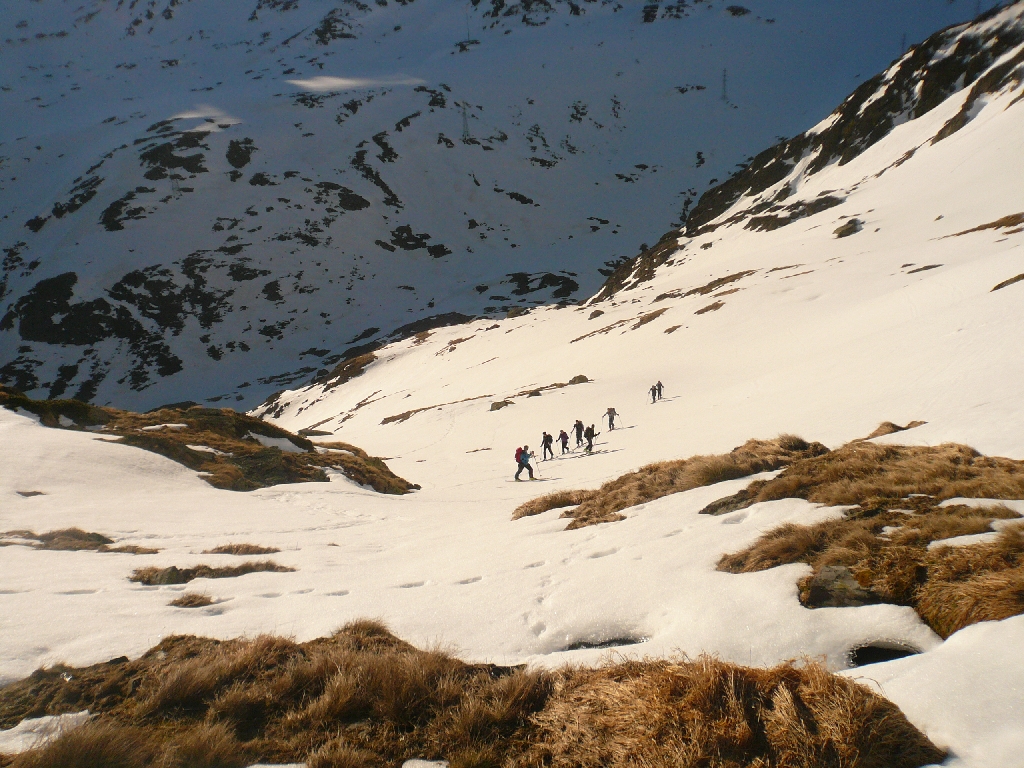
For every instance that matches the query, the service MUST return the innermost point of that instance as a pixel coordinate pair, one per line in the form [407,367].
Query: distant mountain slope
[848,277]
[214,200]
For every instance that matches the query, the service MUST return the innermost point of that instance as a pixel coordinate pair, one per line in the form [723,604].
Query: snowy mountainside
[814,326]
[207,201]
[888,263]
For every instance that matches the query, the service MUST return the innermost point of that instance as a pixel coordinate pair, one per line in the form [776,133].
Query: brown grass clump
[710,713]
[874,476]
[241,549]
[98,744]
[890,428]
[656,480]
[191,600]
[363,697]
[173,575]
[71,540]
[218,443]
[550,501]
[366,470]
[880,548]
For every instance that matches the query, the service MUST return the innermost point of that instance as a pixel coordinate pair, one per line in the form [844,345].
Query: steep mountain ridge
[213,201]
[984,57]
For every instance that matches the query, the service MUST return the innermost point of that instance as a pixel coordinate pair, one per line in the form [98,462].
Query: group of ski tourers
[523,455]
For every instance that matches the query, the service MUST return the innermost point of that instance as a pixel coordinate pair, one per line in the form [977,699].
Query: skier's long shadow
[631,426]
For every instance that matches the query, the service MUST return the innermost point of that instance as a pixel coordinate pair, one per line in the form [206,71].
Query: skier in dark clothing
[611,413]
[546,442]
[523,457]
[563,438]
[590,434]
[578,428]
[654,393]
[660,387]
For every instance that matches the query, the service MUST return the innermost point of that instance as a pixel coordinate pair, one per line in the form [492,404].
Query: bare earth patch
[363,698]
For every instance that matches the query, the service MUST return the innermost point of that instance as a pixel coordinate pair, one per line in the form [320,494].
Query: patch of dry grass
[710,713]
[71,540]
[883,542]
[241,549]
[656,480]
[364,469]
[363,697]
[880,476]
[191,600]
[173,575]
[218,443]
[550,501]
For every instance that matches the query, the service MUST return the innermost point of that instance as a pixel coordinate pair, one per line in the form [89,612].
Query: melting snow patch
[30,732]
[208,449]
[283,443]
[963,541]
[155,427]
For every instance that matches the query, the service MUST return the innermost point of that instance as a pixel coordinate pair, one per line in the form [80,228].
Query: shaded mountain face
[982,60]
[215,200]
[868,263]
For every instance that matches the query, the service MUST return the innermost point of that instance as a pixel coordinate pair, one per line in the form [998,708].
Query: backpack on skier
[519,455]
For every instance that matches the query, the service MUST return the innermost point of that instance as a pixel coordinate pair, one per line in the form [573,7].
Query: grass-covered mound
[70,540]
[231,450]
[888,546]
[364,698]
[657,480]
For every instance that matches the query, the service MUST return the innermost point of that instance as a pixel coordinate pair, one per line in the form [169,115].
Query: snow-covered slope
[209,201]
[755,327]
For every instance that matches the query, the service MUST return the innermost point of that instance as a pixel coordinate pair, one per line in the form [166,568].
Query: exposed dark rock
[835,586]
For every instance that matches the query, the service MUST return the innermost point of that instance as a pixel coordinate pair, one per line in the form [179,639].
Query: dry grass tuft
[219,443]
[241,549]
[890,428]
[98,744]
[710,713]
[191,600]
[656,480]
[881,546]
[873,475]
[363,697]
[555,500]
[71,540]
[173,575]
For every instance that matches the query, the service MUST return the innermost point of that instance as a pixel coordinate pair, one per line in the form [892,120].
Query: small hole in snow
[614,642]
[876,653]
